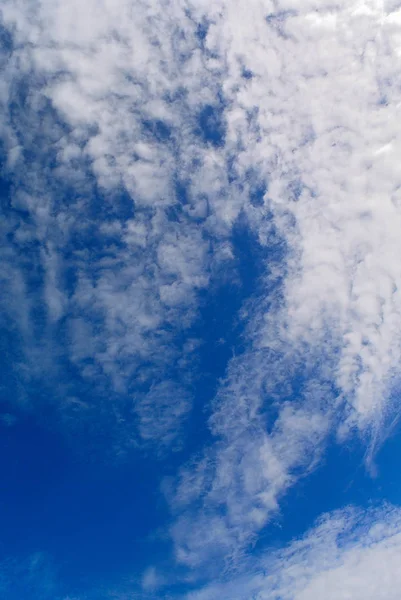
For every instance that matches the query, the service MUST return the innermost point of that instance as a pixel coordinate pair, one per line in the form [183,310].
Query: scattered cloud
[134,138]
[348,554]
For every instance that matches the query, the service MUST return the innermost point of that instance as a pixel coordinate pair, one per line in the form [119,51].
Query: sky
[200,302]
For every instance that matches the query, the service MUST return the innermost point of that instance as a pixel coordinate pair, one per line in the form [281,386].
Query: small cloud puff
[152,580]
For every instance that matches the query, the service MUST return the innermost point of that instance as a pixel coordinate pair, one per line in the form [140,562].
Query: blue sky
[201,300]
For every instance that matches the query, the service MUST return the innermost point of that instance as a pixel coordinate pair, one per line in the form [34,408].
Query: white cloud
[256,458]
[325,111]
[317,118]
[140,286]
[349,554]
[108,95]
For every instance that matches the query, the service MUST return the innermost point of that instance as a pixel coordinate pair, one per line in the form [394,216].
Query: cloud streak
[349,554]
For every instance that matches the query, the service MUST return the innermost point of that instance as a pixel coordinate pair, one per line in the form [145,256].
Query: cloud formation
[349,554]
[135,138]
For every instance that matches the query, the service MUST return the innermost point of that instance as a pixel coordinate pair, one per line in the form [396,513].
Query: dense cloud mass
[138,138]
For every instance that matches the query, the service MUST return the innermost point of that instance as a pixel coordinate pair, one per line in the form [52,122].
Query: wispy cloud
[162,413]
[349,554]
[33,576]
[263,445]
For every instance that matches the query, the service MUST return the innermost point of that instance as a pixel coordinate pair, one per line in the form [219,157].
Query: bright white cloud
[349,554]
[326,105]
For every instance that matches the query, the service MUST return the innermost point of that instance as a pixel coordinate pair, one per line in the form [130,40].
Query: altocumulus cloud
[135,136]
